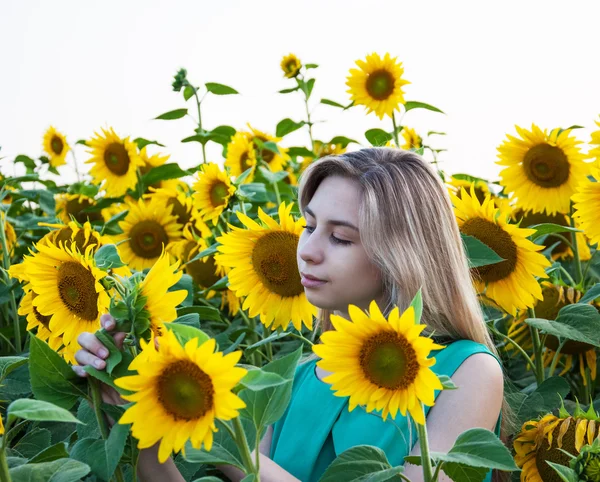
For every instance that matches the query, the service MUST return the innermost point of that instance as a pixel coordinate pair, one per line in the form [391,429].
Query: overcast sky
[80,65]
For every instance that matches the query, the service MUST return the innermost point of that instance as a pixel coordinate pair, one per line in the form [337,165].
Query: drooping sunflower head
[276,161]
[148,228]
[291,65]
[587,206]
[411,138]
[543,169]
[212,192]
[71,235]
[68,205]
[184,390]
[55,145]
[265,270]
[510,283]
[377,84]
[380,363]
[115,160]
[241,155]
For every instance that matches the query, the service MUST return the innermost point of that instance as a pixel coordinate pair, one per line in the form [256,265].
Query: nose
[310,249]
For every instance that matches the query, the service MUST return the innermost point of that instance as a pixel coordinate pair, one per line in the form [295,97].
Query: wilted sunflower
[68,205]
[587,206]
[540,442]
[55,145]
[291,65]
[377,84]
[562,249]
[68,288]
[510,283]
[147,229]
[411,138]
[182,390]
[213,189]
[380,363]
[265,270]
[543,169]
[276,161]
[9,234]
[161,303]
[241,155]
[115,162]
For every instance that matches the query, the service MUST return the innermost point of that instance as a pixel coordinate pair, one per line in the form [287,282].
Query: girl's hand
[94,353]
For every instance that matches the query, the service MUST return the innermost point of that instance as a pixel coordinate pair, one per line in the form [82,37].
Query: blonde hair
[408,229]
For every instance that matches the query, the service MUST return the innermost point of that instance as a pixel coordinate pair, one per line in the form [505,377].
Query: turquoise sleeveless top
[317,425]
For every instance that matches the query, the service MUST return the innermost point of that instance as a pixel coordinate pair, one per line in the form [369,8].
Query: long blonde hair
[408,229]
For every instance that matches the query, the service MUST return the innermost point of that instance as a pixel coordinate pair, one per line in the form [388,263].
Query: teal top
[317,425]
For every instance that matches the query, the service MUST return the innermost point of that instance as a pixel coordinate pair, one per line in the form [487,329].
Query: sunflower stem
[537,349]
[424,445]
[517,346]
[277,195]
[588,264]
[252,325]
[97,402]
[77,173]
[395,133]
[300,337]
[242,444]
[198,102]
[4,473]
[568,275]
[13,303]
[556,357]
[576,249]
[308,121]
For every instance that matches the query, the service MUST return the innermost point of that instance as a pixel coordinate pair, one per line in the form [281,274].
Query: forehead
[336,197]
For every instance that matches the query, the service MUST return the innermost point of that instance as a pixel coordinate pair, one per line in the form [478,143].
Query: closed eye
[334,240]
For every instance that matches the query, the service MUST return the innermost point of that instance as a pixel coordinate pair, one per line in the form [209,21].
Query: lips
[309,281]
[310,277]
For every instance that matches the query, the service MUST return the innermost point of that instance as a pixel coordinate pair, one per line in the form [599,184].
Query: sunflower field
[198,269]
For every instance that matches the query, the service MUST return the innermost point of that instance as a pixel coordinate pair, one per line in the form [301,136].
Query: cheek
[357,277]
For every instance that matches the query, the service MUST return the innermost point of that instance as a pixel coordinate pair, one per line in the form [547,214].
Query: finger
[118,338]
[92,344]
[84,357]
[157,342]
[107,321]
[79,371]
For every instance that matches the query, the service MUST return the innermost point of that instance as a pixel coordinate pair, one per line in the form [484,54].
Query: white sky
[80,65]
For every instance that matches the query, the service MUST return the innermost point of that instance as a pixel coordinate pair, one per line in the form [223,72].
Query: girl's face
[333,264]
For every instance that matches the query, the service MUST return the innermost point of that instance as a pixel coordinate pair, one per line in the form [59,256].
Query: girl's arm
[476,403]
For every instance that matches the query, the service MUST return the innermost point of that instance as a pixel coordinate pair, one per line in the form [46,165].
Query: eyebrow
[334,222]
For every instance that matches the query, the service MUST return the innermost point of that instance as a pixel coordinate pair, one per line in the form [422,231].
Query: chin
[320,301]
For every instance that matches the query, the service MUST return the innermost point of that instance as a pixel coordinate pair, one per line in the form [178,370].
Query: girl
[379,226]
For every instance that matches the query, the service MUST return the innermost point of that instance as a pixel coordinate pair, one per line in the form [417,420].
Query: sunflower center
[75,206]
[44,320]
[244,163]
[274,261]
[218,193]
[77,290]
[148,238]
[117,158]
[500,241]
[389,361]
[185,391]
[380,84]
[203,271]
[552,453]
[531,219]
[266,154]
[57,145]
[179,210]
[546,165]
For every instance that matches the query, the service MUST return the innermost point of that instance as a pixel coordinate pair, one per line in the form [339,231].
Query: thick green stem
[395,133]
[97,402]
[13,303]
[254,337]
[513,342]
[242,445]
[424,446]
[277,195]
[4,474]
[576,251]
[309,122]
[537,350]
[556,357]
[200,123]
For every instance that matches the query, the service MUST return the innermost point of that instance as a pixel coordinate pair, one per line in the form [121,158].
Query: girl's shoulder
[455,353]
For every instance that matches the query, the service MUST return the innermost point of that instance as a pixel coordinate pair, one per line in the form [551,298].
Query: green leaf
[548,228]
[249,478]
[311,66]
[273,177]
[361,464]
[188,92]
[107,257]
[577,322]
[89,426]
[52,379]
[102,455]
[478,253]
[287,91]
[48,454]
[205,312]
[546,398]
[162,173]
[286,126]
[417,304]
[410,105]
[33,442]
[220,89]
[253,191]
[190,319]
[185,333]
[300,151]
[565,473]
[205,252]
[342,141]
[257,379]
[114,354]
[141,143]
[38,410]
[272,337]
[310,84]
[331,103]
[268,145]
[447,382]
[8,364]
[378,137]
[219,285]
[27,161]
[173,114]
[61,470]
[591,294]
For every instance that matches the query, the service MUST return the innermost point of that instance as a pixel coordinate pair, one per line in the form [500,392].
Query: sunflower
[241,155]
[213,189]
[276,161]
[543,169]
[203,271]
[71,234]
[183,390]
[68,288]
[595,152]
[68,205]
[510,283]
[55,145]
[562,249]
[265,270]
[542,441]
[377,84]
[160,303]
[9,234]
[380,363]
[150,162]
[36,321]
[480,187]
[322,149]
[148,228]
[181,204]
[411,138]
[115,162]
[587,206]
[291,65]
